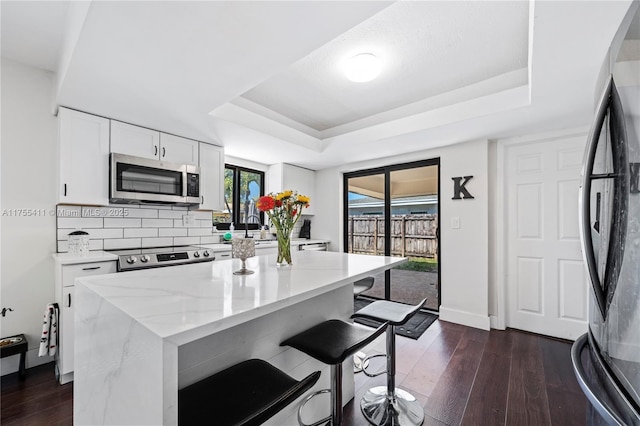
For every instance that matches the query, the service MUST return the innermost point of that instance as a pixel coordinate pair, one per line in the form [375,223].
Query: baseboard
[10,364]
[495,323]
[464,318]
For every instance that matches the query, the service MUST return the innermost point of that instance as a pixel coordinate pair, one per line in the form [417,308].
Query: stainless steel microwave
[136,180]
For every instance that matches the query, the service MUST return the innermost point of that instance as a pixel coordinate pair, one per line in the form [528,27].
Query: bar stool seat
[331,342]
[388,405]
[362,285]
[248,393]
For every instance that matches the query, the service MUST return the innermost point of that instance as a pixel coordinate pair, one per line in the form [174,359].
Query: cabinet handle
[202,199]
[65,189]
[93,268]
[155,150]
[164,151]
[69,300]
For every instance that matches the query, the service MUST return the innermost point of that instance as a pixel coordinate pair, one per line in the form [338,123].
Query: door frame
[386,171]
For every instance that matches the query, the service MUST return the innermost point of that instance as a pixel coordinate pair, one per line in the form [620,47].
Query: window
[242,188]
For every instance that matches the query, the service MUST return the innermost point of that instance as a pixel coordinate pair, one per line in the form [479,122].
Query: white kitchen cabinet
[211,176]
[65,285]
[147,143]
[176,149]
[134,140]
[83,149]
[281,177]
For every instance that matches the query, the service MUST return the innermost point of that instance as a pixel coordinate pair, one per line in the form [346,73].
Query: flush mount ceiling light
[362,67]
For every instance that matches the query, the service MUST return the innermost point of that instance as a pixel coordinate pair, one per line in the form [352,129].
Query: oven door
[137,180]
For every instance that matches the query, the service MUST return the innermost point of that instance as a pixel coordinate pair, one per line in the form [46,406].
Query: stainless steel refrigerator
[607,358]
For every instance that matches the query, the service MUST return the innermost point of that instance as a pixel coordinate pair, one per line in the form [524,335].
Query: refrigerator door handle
[585,194]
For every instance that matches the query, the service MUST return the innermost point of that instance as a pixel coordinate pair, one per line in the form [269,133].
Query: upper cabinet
[211,177]
[146,143]
[83,158]
[176,149]
[281,177]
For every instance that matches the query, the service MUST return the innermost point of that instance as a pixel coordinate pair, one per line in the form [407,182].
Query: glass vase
[284,248]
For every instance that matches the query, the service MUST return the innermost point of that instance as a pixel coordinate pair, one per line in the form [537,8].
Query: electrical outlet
[188,220]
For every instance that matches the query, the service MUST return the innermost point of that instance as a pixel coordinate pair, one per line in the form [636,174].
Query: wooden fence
[411,235]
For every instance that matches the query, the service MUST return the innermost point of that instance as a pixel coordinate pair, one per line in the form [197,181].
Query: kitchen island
[142,335]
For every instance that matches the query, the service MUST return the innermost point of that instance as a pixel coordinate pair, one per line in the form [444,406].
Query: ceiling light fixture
[363,67]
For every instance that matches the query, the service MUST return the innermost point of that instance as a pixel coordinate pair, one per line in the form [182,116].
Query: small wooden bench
[14,345]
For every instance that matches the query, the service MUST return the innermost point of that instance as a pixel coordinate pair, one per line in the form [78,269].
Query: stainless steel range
[155,257]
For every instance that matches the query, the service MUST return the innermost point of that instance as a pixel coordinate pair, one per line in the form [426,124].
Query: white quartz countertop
[184,303]
[76,258]
[263,244]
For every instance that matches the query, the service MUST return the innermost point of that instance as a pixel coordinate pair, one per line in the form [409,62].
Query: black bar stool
[248,394]
[388,405]
[332,342]
[360,287]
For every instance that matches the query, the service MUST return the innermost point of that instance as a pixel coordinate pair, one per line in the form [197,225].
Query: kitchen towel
[49,339]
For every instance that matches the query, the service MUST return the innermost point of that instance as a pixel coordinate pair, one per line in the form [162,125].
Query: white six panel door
[546,282]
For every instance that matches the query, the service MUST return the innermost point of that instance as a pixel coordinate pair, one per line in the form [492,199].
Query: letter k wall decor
[460,192]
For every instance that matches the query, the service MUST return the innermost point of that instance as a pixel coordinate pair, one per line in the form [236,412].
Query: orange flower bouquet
[283,209]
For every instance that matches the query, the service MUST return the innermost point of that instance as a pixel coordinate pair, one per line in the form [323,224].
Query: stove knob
[131,259]
[196,254]
[145,258]
[205,253]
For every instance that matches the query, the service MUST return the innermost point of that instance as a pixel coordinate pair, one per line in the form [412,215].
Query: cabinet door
[212,177]
[65,331]
[223,255]
[66,303]
[83,158]
[71,272]
[178,150]
[134,140]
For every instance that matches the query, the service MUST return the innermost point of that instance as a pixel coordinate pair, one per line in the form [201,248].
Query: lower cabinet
[65,286]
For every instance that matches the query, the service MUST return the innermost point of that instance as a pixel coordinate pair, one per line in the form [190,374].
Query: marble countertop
[104,256]
[263,244]
[76,258]
[184,303]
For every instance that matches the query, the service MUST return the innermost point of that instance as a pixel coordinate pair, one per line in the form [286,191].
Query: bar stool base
[380,410]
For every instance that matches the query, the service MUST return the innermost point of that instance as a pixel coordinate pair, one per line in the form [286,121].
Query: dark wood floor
[460,375]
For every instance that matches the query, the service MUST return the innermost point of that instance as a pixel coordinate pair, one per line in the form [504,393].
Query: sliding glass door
[393,211]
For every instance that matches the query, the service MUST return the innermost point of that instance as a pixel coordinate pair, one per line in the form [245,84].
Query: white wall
[29,161]
[464,252]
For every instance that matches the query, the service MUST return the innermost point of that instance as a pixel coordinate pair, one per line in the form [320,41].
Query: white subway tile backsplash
[177,223]
[199,232]
[140,232]
[157,242]
[140,213]
[214,239]
[172,232]
[122,223]
[157,223]
[123,243]
[185,241]
[203,215]
[79,222]
[94,233]
[171,214]
[135,226]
